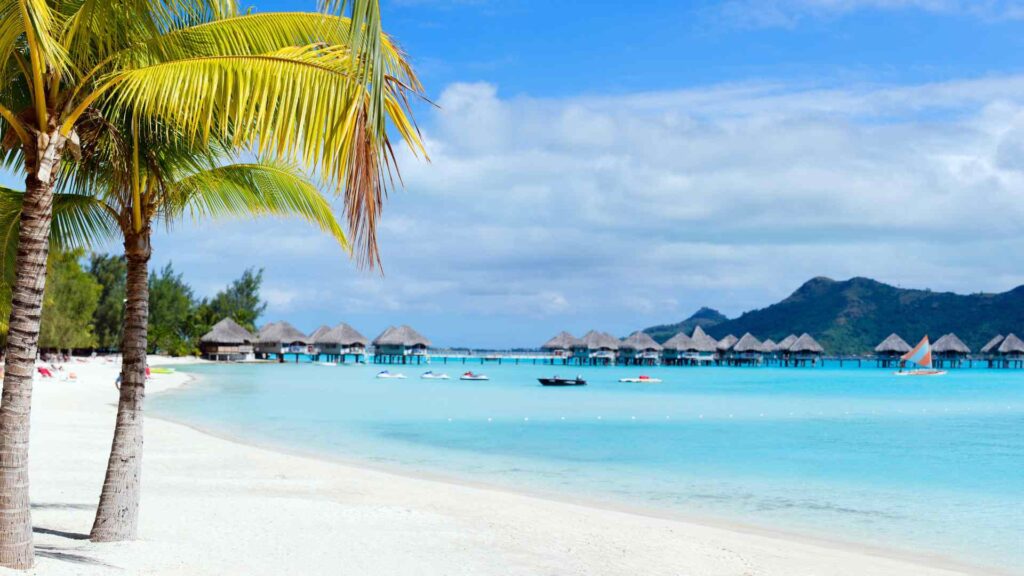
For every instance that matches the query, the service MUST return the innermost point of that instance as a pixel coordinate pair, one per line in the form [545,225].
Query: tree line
[84,304]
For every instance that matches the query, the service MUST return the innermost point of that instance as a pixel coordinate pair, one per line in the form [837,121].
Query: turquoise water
[932,465]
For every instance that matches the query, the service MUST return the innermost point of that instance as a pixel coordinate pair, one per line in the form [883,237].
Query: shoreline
[917,557]
[217,506]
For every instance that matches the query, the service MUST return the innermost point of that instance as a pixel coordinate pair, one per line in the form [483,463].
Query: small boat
[431,375]
[386,374]
[920,356]
[556,381]
[641,380]
[327,363]
[473,376]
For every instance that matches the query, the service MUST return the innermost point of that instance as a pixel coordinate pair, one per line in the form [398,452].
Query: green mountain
[853,316]
[705,318]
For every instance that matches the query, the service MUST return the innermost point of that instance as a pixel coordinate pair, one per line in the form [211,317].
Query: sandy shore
[211,506]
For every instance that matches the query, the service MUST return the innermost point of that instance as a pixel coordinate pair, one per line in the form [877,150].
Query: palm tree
[164,181]
[317,88]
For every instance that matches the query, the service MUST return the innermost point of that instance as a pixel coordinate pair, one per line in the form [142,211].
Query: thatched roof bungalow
[805,350]
[601,347]
[561,344]
[281,338]
[892,346]
[992,347]
[400,340]
[769,346]
[341,341]
[1011,348]
[702,343]
[639,349]
[726,343]
[787,342]
[746,350]
[227,340]
[675,348]
[950,349]
[318,333]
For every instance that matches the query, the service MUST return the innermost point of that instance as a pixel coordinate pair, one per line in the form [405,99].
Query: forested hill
[853,316]
[705,318]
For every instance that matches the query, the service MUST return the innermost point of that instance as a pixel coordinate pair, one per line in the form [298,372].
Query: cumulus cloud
[618,212]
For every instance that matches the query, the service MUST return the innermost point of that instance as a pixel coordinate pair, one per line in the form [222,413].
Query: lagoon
[923,465]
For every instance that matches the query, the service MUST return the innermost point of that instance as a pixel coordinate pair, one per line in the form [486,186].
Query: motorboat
[431,375]
[920,356]
[473,376]
[556,381]
[327,363]
[641,380]
[383,374]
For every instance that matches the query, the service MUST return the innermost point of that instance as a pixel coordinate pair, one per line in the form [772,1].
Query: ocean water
[924,465]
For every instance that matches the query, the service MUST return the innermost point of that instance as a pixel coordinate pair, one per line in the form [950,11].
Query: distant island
[853,316]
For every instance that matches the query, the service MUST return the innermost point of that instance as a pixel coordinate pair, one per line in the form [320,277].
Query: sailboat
[920,356]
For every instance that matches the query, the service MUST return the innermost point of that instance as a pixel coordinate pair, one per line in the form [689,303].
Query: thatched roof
[639,340]
[319,332]
[1011,345]
[806,345]
[401,336]
[680,342]
[787,342]
[747,343]
[992,345]
[342,335]
[701,342]
[893,345]
[596,340]
[561,341]
[281,332]
[950,344]
[227,331]
[769,346]
[726,343]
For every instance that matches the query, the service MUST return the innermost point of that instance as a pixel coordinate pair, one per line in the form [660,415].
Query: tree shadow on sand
[66,556]
[61,533]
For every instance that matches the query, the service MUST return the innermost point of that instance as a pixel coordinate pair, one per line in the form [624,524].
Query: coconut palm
[102,200]
[319,89]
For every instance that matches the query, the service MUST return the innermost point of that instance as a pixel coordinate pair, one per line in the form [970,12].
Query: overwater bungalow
[949,351]
[674,349]
[318,333]
[1011,352]
[990,351]
[702,348]
[889,351]
[723,346]
[747,351]
[400,345]
[805,350]
[771,350]
[340,342]
[561,346]
[601,348]
[227,341]
[639,349]
[786,343]
[279,339]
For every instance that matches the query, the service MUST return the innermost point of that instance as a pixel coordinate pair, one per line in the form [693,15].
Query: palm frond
[250,190]
[79,221]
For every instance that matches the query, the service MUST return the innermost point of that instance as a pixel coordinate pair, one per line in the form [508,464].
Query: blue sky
[612,165]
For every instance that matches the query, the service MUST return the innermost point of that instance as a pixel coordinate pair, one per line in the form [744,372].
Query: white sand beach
[212,506]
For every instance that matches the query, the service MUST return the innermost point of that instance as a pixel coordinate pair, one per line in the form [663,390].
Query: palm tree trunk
[117,517]
[41,161]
